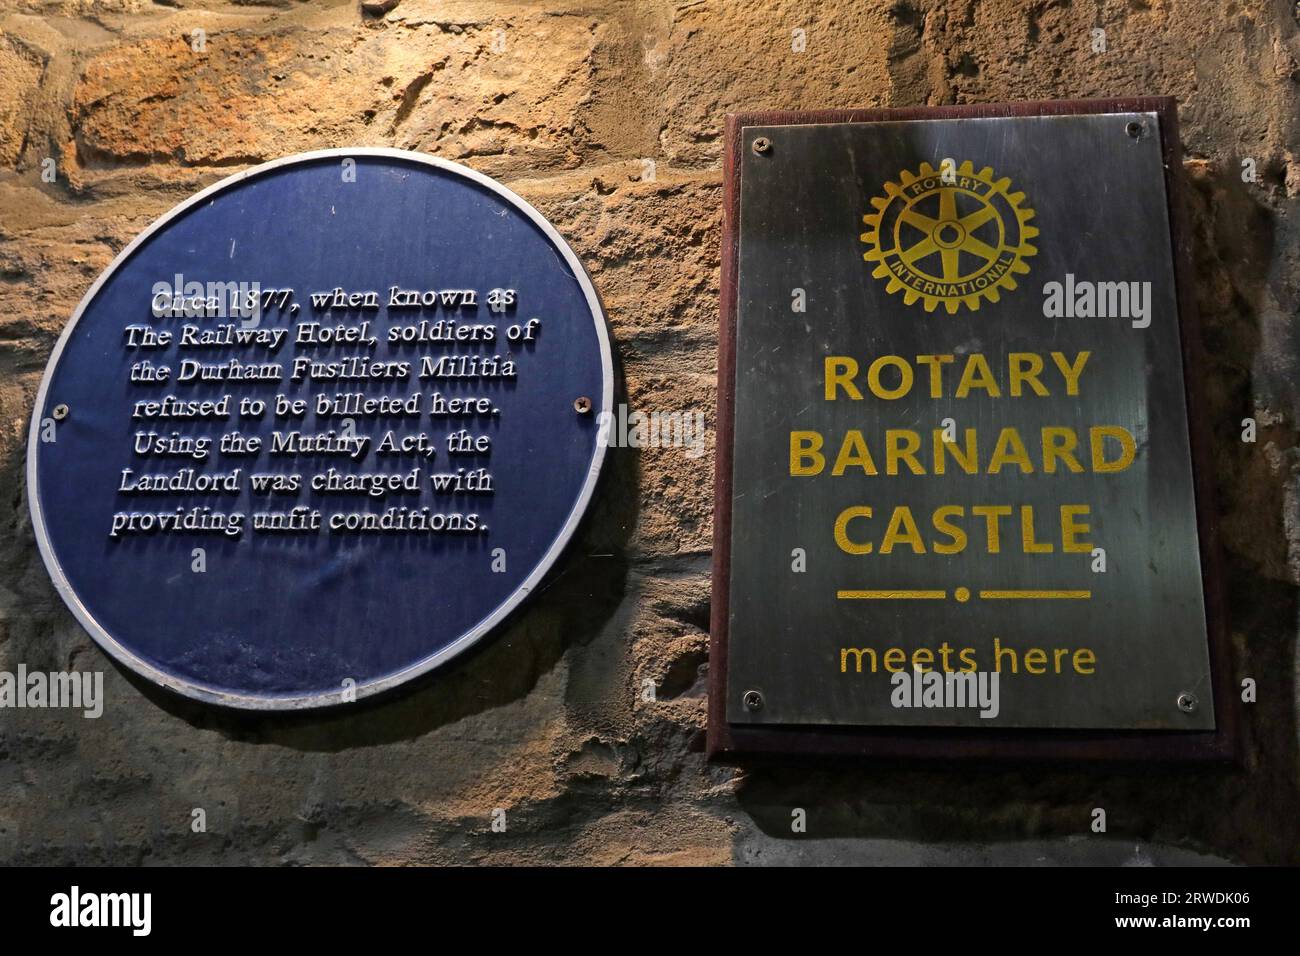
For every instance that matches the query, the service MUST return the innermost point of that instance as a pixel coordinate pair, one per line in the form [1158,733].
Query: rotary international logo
[952,236]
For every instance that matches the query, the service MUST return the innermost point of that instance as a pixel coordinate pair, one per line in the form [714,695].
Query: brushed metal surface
[1099,199]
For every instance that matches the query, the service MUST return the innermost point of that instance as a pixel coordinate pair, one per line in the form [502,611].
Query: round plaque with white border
[319,429]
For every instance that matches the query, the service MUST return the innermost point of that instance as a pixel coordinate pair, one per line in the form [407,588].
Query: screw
[1187,702]
[1134,129]
[753,700]
[582,404]
[60,412]
[762,145]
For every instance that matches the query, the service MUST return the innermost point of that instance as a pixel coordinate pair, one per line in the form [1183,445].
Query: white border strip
[462,643]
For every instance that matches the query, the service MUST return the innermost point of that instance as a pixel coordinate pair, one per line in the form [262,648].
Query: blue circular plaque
[319,428]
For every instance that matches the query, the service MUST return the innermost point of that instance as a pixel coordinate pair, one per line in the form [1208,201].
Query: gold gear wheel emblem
[953,238]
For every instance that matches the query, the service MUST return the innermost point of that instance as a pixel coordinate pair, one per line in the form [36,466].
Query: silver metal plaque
[961,434]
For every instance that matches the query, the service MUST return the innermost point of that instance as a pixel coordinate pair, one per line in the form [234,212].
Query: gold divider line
[894,595]
[1036,595]
[987,595]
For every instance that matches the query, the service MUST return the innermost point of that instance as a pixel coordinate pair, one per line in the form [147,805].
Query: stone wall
[565,101]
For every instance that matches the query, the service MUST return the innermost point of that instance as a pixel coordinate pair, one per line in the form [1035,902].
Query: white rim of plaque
[467,639]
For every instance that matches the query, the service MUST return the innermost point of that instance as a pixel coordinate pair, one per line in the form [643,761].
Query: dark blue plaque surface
[290,619]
